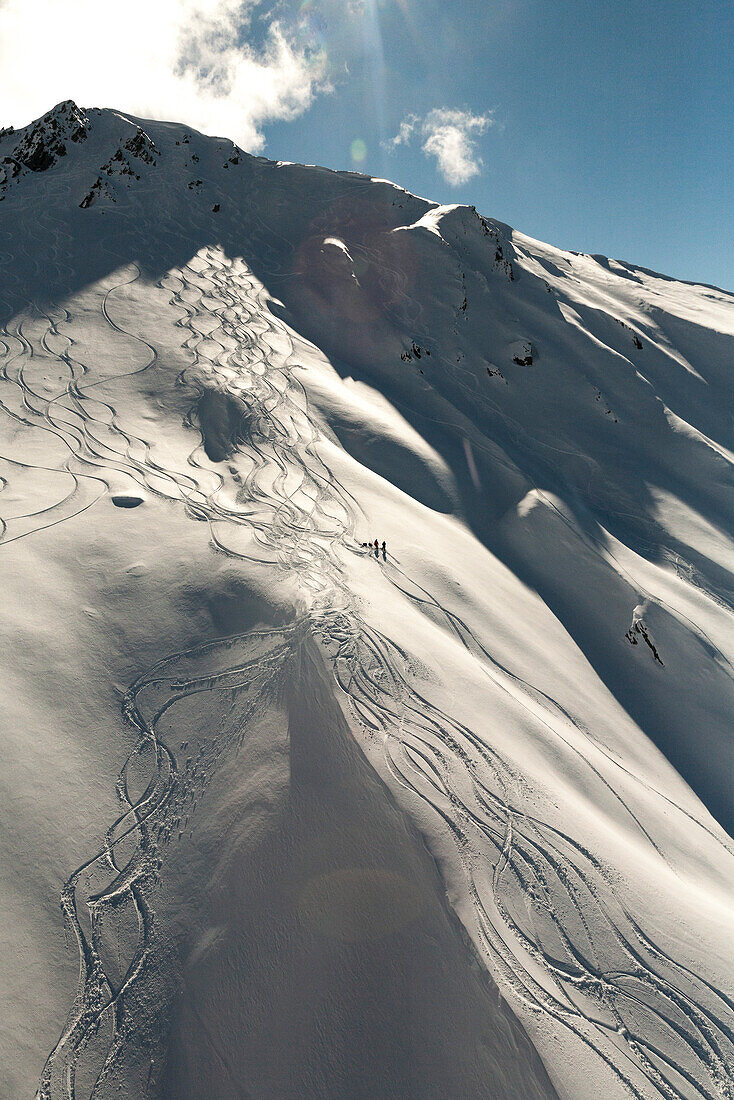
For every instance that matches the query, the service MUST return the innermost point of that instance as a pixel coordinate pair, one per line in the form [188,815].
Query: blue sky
[613,122]
[600,127]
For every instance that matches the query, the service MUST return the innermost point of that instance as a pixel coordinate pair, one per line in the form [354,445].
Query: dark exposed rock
[142,146]
[99,187]
[523,353]
[415,352]
[40,145]
[44,142]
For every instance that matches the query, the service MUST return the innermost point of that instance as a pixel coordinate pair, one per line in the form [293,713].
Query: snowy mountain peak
[38,146]
[51,141]
[367,608]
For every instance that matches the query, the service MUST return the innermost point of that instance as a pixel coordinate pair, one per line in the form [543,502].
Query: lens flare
[312,27]
[358,151]
[375,59]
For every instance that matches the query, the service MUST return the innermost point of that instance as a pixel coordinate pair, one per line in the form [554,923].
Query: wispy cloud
[450,136]
[406,131]
[184,60]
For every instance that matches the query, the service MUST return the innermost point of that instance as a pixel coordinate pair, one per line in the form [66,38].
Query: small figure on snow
[377,548]
[384,551]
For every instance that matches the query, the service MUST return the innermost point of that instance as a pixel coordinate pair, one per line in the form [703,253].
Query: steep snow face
[444,820]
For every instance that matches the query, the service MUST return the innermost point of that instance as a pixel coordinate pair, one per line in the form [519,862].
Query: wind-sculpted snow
[217,388]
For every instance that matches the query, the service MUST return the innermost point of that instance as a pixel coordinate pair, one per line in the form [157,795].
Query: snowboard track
[661,1029]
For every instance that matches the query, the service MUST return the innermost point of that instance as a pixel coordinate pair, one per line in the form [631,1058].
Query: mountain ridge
[222,377]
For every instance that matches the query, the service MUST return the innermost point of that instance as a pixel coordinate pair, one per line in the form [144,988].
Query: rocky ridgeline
[123,166]
[39,146]
[500,260]
[42,144]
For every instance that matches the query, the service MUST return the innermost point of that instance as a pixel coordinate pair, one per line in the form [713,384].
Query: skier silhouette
[384,551]
[377,548]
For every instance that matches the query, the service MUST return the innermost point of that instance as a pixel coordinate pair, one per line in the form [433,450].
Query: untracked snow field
[284,816]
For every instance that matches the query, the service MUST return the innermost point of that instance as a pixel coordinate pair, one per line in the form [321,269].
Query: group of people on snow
[375,546]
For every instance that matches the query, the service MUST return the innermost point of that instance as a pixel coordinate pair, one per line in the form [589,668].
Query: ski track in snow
[539,898]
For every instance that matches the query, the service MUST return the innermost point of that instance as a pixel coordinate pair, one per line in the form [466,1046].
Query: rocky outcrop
[42,144]
[121,166]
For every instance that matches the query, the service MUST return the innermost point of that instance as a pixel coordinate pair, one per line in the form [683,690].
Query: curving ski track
[661,1029]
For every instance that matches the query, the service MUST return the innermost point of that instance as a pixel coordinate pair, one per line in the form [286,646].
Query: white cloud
[450,136]
[405,133]
[182,60]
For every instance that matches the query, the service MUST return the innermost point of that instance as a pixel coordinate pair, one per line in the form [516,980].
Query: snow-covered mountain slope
[447,823]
